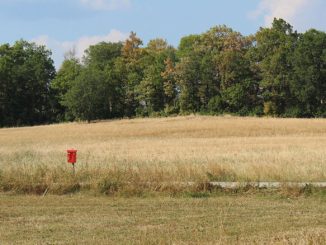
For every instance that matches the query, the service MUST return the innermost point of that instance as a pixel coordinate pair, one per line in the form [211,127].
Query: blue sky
[66,24]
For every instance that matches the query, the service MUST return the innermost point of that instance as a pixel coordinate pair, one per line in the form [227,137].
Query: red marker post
[72,158]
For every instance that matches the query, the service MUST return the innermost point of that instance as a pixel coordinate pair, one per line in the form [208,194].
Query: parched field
[83,219]
[192,148]
[127,189]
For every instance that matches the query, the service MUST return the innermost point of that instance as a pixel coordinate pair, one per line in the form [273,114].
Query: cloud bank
[84,42]
[59,48]
[285,9]
[302,14]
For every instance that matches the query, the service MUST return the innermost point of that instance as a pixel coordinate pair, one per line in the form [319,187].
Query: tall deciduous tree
[170,87]
[103,58]
[309,77]
[151,88]
[188,79]
[273,50]
[62,83]
[131,69]
[86,98]
[26,71]
[95,91]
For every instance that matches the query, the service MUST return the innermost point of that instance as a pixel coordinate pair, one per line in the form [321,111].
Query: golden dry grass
[149,158]
[82,219]
[192,148]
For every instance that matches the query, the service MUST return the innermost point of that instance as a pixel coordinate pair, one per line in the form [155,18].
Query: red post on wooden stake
[72,158]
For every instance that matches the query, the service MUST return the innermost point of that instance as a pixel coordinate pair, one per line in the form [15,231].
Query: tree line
[276,72]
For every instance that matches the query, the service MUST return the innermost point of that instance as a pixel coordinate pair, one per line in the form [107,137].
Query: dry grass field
[166,150]
[127,189]
[83,219]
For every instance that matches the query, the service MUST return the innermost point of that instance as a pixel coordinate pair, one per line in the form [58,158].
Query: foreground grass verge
[89,219]
[130,183]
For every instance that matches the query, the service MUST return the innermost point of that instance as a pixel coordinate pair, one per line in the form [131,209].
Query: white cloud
[59,48]
[84,42]
[106,4]
[41,40]
[285,9]
[302,14]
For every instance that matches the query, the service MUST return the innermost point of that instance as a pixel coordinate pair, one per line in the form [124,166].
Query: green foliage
[308,82]
[86,99]
[270,108]
[157,88]
[276,72]
[26,71]
[241,97]
[102,55]
[216,105]
[170,87]
[94,90]
[62,83]
[273,56]
[187,45]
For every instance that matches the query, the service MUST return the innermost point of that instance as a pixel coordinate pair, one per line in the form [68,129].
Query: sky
[63,25]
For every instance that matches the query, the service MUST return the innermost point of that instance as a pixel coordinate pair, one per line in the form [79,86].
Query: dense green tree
[151,88]
[209,83]
[220,62]
[239,88]
[231,76]
[157,45]
[150,91]
[189,70]
[277,71]
[103,57]
[62,83]
[130,66]
[26,71]
[273,50]
[86,99]
[188,79]
[6,86]
[309,77]
[187,45]
[67,73]
[96,78]
[170,87]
